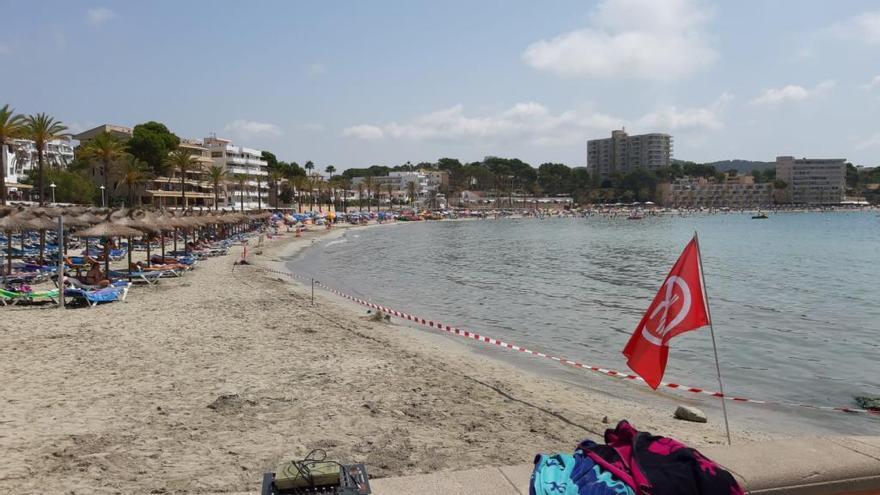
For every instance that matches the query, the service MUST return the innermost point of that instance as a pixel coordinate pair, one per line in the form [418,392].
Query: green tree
[554,178]
[151,142]
[106,150]
[134,174]
[852,176]
[390,196]
[275,178]
[12,126]
[181,161]
[330,171]
[309,166]
[42,128]
[72,187]
[411,192]
[270,159]
[240,179]
[217,175]
[368,183]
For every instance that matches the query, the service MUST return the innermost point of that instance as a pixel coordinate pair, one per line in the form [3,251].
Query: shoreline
[203,383]
[772,420]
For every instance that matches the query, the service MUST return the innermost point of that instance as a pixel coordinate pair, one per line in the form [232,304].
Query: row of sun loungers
[173,265]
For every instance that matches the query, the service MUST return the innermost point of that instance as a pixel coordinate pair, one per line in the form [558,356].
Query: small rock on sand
[688,413]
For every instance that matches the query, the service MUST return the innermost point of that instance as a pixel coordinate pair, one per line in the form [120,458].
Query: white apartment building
[248,162]
[812,180]
[20,156]
[624,153]
[399,182]
[732,192]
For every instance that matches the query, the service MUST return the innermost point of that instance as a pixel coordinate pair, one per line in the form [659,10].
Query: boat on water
[635,215]
[759,216]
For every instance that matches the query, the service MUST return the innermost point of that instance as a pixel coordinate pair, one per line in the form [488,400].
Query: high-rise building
[811,180]
[248,163]
[624,153]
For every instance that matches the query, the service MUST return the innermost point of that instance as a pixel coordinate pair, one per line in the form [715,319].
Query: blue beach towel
[565,474]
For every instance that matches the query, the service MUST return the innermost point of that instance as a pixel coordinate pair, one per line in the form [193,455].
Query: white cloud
[869,142]
[534,124]
[316,70]
[792,93]
[671,118]
[99,16]
[864,28]
[364,131]
[874,83]
[246,129]
[639,39]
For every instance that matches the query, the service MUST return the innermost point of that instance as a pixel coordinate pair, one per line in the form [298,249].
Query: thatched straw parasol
[135,220]
[41,222]
[14,221]
[106,230]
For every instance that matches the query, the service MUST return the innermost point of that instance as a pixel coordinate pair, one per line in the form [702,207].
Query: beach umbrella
[40,222]
[133,220]
[106,230]
[13,221]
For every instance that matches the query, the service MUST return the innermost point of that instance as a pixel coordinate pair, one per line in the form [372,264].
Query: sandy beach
[202,383]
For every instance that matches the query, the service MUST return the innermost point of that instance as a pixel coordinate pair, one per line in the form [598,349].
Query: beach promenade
[201,384]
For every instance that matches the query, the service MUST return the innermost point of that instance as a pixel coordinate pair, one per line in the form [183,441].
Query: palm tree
[11,127]
[345,185]
[42,128]
[134,173]
[259,194]
[182,161]
[330,170]
[411,190]
[368,182]
[107,150]
[309,166]
[241,178]
[217,174]
[275,178]
[390,192]
[360,196]
[299,182]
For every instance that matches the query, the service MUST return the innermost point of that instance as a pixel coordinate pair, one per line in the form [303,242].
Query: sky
[358,83]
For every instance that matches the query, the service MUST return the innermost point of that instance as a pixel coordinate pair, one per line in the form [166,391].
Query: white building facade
[20,157]
[241,161]
[399,182]
[812,181]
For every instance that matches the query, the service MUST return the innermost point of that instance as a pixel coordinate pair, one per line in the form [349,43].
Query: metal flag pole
[712,333]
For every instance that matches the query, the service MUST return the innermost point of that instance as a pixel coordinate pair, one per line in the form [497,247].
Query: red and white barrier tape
[608,372]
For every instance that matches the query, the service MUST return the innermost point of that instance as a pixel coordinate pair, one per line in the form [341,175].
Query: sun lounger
[8,297]
[116,292]
[144,277]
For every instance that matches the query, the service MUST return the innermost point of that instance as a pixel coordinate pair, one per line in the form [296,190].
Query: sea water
[794,298]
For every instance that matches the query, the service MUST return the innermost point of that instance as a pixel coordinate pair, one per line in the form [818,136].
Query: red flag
[679,306]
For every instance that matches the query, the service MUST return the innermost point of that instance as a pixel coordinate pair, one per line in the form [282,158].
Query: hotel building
[19,156]
[811,181]
[622,153]
[732,192]
[241,161]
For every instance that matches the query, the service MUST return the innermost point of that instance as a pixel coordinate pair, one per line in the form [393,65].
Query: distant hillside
[741,166]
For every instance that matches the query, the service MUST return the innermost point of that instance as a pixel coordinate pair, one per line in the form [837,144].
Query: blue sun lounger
[116,292]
